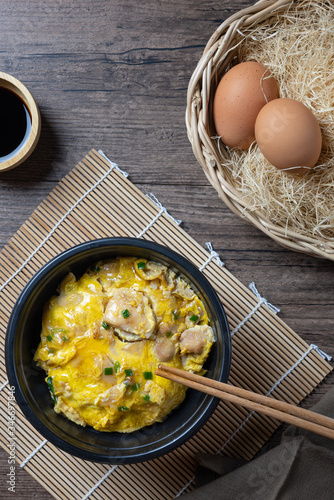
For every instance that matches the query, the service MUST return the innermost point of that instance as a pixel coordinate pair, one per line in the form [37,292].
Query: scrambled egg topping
[104,335]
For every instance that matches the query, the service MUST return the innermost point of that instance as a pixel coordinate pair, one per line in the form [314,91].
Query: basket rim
[217,54]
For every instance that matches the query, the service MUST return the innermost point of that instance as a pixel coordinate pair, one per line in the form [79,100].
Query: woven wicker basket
[216,57]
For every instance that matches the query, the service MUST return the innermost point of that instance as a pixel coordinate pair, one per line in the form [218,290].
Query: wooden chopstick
[271,407]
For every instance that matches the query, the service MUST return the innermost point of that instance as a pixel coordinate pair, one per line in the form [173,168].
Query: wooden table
[113,74]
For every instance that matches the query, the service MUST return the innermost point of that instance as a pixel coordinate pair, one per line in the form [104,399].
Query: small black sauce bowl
[31,390]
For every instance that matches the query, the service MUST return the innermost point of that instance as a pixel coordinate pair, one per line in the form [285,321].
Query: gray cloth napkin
[301,467]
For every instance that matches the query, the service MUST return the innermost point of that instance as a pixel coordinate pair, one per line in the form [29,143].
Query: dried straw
[298,48]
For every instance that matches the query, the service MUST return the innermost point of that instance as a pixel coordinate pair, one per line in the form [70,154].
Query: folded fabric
[301,467]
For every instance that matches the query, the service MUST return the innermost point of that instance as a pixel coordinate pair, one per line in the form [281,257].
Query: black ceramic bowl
[32,392]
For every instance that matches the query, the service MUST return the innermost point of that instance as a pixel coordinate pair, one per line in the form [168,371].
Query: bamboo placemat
[97,200]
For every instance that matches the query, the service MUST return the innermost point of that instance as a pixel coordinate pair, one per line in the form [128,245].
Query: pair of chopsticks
[285,412]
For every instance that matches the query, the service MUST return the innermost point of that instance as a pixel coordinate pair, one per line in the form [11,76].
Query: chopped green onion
[50,384]
[116,366]
[65,339]
[146,398]
[126,383]
[51,351]
[169,334]
[135,387]
[123,408]
[49,337]
[148,375]
[176,315]
[194,318]
[108,371]
[141,265]
[125,313]
[128,372]
[105,325]
[98,269]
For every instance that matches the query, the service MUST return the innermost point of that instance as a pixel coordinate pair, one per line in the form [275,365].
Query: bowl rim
[178,259]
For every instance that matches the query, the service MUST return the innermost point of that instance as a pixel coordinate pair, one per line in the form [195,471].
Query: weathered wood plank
[114,74]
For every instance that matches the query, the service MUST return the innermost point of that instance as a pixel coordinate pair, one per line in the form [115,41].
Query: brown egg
[239,97]
[288,135]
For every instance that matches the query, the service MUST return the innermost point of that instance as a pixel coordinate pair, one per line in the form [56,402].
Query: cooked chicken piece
[111,396]
[78,330]
[166,329]
[170,279]
[106,377]
[68,296]
[193,340]
[62,389]
[68,411]
[183,290]
[136,348]
[93,377]
[110,268]
[69,300]
[154,284]
[103,332]
[192,310]
[157,394]
[155,272]
[62,357]
[130,311]
[148,270]
[164,349]
[108,273]
[67,284]
[126,336]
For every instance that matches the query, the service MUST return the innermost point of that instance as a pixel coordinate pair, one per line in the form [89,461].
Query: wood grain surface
[113,74]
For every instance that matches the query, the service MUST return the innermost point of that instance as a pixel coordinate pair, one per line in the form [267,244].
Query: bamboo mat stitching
[275,310]
[29,457]
[212,255]
[162,210]
[3,385]
[185,487]
[151,197]
[99,482]
[262,300]
[113,165]
[311,348]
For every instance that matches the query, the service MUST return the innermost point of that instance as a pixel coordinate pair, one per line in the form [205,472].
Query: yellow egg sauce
[104,335]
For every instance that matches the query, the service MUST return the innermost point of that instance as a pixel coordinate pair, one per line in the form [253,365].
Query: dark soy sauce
[15,124]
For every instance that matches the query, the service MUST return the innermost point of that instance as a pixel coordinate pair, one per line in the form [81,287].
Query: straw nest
[295,40]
